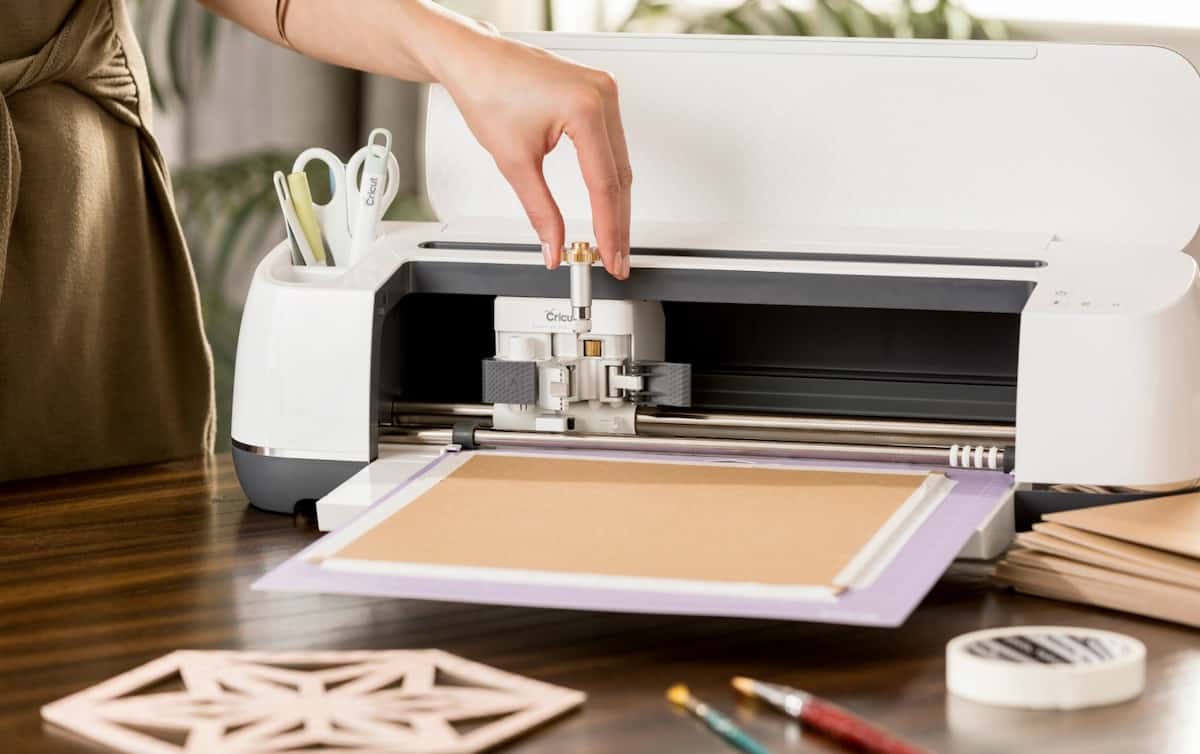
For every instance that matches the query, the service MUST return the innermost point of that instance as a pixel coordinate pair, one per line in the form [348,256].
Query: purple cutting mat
[887,602]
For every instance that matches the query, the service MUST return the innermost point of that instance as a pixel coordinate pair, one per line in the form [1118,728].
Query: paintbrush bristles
[679,694]
[744,685]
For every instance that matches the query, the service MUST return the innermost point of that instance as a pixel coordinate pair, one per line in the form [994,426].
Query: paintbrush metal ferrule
[699,709]
[788,699]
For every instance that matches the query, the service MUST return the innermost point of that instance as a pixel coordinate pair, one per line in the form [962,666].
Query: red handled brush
[826,717]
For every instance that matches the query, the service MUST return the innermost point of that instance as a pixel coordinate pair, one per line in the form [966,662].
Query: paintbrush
[718,723]
[828,718]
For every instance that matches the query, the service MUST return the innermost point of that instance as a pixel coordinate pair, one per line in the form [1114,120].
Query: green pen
[718,723]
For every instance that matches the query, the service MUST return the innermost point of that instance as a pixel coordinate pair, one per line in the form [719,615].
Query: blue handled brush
[718,723]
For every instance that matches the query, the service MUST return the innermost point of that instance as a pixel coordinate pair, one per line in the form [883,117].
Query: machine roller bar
[695,446]
[396,412]
[764,427]
[659,421]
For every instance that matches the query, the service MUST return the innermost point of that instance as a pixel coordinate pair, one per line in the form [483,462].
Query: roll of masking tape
[1045,667]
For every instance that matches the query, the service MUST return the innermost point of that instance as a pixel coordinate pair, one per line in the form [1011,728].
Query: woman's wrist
[438,39]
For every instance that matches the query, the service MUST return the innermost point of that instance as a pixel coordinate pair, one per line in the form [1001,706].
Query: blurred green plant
[228,210]
[943,19]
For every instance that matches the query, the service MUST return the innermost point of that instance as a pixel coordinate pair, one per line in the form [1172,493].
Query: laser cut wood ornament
[346,702]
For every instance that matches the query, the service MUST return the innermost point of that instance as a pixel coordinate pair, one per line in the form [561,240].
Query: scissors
[350,209]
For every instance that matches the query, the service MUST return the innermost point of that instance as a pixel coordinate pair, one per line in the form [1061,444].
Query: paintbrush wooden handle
[852,730]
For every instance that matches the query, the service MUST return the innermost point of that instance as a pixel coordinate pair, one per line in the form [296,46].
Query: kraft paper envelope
[1059,578]
[1107,552]
[1167,523]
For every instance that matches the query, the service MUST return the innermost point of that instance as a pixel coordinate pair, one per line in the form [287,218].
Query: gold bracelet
[281,9]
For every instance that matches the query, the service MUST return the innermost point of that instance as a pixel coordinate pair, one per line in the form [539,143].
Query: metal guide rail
[983,446]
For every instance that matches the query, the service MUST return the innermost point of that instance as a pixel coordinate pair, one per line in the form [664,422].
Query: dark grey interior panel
[791,256]
[823,344]
[719,286]
[1031,505]
[848,361]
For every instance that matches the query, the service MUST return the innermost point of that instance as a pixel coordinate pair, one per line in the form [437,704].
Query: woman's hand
[519,101]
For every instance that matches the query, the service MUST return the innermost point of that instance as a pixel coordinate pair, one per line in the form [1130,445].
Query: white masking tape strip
[1045,667]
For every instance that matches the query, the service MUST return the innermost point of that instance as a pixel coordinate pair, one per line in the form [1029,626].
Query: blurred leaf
[853,19]
[208,35]
[732,24]
[245,219]
[947,19]
[177,47]
[219,203]
[799,26]
[170,31]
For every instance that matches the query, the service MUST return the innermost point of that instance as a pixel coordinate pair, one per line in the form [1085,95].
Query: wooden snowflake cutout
[389,702]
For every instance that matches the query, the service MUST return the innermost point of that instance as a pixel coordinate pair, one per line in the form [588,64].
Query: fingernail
[625,265]
[546,254]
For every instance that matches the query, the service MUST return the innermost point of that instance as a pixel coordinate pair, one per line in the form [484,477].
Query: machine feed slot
[916,347]
[847,361]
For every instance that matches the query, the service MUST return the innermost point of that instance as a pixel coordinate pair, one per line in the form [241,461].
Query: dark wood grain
[101,572]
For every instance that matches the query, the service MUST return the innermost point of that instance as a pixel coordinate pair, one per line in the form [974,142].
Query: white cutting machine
[941,253]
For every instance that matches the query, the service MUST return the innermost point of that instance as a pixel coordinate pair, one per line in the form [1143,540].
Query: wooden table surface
[101,572]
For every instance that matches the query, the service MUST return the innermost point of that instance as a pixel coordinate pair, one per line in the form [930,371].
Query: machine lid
[1081,141]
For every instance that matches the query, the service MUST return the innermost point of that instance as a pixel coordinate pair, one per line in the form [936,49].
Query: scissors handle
[334,215]
[337,170]
[339,217]
[355,165]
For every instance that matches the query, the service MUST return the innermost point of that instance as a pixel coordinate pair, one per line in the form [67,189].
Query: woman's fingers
[616,136]
[588,129]
[527,180]
[519,101]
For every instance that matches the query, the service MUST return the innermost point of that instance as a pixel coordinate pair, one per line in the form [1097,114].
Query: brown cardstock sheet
[638,519]
[1168,523]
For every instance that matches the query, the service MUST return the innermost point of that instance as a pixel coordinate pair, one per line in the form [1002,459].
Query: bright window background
[1162,13]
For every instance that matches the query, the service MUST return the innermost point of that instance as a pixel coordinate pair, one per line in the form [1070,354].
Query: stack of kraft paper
[1141,557]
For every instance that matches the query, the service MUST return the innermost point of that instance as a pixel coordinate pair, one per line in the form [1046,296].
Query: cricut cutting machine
[936,253]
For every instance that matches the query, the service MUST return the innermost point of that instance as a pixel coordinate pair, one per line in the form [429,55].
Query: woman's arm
[517,99]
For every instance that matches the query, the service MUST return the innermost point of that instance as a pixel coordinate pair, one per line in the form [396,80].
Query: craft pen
[369,211]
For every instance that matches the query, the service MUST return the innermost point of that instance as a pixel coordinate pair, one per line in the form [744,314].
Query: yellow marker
[303,204]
